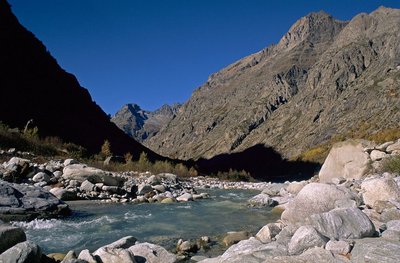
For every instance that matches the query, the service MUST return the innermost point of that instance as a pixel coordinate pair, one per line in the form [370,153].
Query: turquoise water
[96,224]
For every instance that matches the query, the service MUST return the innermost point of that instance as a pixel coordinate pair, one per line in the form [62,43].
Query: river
[94,224]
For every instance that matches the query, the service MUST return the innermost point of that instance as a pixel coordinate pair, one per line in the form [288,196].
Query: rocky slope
[35,87]
[324,77]
[141,124]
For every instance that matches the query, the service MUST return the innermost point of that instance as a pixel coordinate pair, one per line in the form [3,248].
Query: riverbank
[350,212]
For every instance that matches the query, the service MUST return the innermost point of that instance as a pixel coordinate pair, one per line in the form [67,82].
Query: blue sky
[154,52]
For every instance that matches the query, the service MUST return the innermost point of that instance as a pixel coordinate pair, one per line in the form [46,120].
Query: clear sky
[152,52]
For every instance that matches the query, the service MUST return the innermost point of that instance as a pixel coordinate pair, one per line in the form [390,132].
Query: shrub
[392,164]
[234,175]
[106,149]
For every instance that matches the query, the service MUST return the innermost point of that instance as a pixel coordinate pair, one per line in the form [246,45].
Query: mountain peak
[142,124]
[314,27]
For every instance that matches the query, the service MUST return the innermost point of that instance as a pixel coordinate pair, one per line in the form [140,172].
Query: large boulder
[346,223]
[150,253]
[315,198]
[346,159]
[249,251]
[82,172]
[64,194]
[25,252]
[114,255]
[10,236]
[380,189]
[304,238]
[376,250]
[26,202]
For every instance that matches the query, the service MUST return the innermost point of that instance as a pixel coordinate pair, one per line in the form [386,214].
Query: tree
[106,149]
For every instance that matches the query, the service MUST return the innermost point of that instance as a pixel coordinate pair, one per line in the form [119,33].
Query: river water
[94,224]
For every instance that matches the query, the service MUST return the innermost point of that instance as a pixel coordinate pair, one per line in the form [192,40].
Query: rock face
[141,124]
[324,77]
[346,159]
[37,88]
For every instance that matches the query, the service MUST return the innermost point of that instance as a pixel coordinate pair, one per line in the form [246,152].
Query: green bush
[235,176]
[392,164]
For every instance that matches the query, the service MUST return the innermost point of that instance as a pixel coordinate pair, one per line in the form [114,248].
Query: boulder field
[336,216]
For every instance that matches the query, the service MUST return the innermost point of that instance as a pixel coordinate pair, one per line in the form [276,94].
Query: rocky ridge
[141,124]
[325,77]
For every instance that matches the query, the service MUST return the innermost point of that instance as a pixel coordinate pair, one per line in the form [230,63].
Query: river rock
[384,189]
[114,255]
[24,252]
[393,225]
[26,202]
[70,161]
[304,238]
[71,255]
[85,255]
[262,200]
[168,178]
[345,159]
[63,194]
[150,253]
[315,198]
[168,200]
[391,235]
[346,223]
[87,186]
[185,198]
[313,255]
[268,232]
[159,188]
[250,251]
[153,180]
[286,234]
[274,189]
[394,147]
[377,155]
[144,189]
[10,236]
[234,237]
[125,242]
[338,247]
[41,177]
[295,187]
[81,172]
[375,250]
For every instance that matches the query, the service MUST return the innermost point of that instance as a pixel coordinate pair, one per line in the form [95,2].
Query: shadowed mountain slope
[34,86]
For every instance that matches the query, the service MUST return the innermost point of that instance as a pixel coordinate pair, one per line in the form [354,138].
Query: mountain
[324,78]
[34,86]
[141,124]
